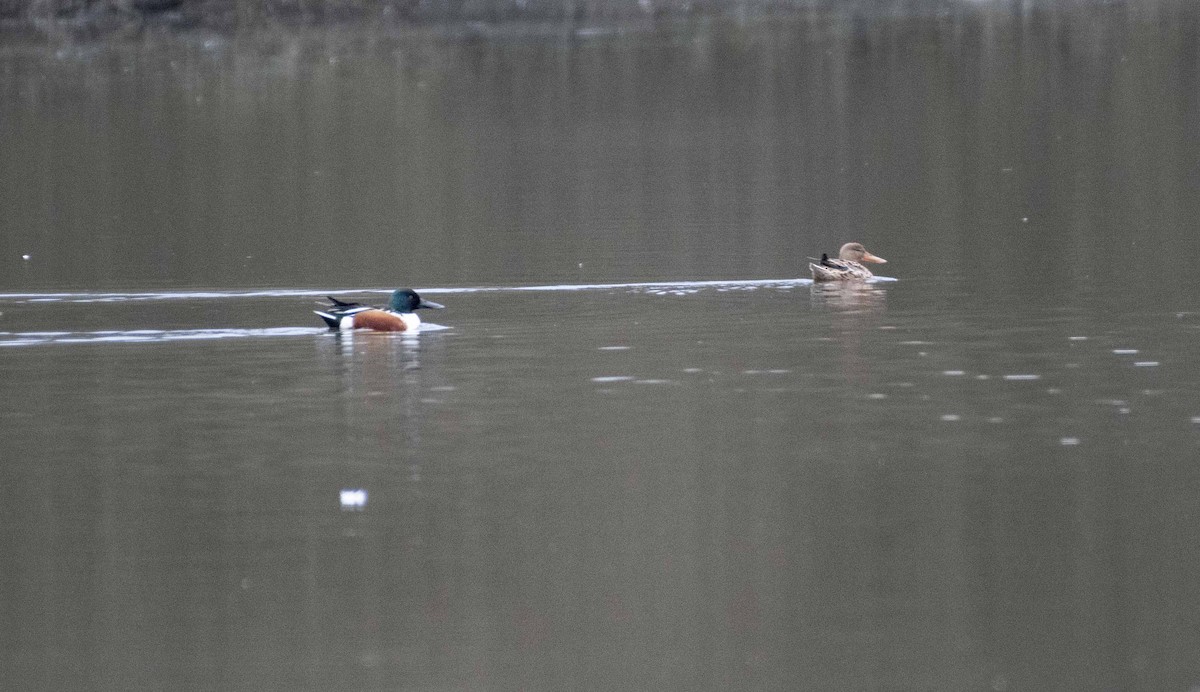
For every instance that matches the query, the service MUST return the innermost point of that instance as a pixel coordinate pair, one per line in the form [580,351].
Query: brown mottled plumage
[847,267]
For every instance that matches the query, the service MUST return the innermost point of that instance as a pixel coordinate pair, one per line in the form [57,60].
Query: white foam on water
[1022,378]
[352,499]
[614,378]
[1146,364]
[1125,351]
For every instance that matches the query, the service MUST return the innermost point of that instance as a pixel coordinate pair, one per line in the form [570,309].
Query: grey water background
[604,473]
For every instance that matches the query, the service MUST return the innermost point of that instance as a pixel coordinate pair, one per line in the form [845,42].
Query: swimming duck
[398,316]
[847,267]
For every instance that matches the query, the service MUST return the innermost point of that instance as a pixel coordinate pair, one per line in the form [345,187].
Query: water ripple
[148,335]
[664,287]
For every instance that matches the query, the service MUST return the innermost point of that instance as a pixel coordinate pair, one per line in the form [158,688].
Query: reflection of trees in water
[484,18]
[1021,150]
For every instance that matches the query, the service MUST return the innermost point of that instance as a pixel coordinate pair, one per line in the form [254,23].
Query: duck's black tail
[332,320]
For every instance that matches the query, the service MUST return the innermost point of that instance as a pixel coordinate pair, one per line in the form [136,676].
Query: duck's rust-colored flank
[380,321]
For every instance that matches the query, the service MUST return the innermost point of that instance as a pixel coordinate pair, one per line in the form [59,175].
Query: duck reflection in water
[385,397]
[856,309]
[850,296]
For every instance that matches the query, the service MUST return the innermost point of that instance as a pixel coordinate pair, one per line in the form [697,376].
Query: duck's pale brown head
[855,252]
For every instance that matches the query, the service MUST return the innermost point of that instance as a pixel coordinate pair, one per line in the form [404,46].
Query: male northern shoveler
[847,266]
[398,316]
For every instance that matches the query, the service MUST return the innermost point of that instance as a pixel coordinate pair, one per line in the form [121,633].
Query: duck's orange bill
[868,257]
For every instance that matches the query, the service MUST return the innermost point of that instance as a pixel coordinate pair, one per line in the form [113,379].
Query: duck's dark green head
[407,300]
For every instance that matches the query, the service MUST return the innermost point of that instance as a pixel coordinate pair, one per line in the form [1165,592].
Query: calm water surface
[636,451]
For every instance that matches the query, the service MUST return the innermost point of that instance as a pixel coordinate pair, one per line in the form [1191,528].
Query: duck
[847,267]
[399,315]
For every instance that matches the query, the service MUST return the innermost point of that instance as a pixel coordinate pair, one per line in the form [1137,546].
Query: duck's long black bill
[430,304]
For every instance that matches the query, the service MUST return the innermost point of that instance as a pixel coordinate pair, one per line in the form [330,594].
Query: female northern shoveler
[398,316]
[847,266]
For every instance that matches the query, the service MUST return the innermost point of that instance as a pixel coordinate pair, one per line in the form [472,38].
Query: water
[638,450]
